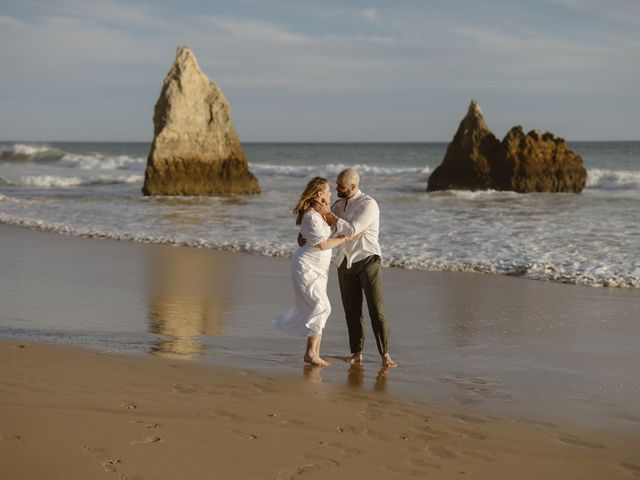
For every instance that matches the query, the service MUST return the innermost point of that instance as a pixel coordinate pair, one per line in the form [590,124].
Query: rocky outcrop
[535,162]
[195,150]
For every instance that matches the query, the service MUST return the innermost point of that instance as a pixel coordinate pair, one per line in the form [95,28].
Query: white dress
[309,274]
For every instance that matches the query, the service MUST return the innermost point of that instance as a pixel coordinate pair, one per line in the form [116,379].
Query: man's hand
[301,241]
[324,210]
[356,237]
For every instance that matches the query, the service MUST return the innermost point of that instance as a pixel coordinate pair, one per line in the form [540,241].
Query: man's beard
[342,194]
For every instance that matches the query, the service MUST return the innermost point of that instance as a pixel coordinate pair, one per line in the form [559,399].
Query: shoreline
[480,344]
[75,412]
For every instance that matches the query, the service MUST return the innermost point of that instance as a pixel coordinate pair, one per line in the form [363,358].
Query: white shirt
[356,214]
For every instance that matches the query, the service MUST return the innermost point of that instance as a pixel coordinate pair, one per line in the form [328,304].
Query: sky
[324,71]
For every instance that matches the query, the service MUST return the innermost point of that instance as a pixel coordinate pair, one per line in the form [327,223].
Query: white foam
[613,179]
[48,181]
[333,169]
[53,181]
[28,150]
[100,162]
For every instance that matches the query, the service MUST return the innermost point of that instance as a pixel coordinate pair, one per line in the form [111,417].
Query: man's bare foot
[388,362]
[354,358]
[316,361]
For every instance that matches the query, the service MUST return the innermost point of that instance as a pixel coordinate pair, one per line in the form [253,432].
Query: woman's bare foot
[388,362]
[354,358]
[316,361]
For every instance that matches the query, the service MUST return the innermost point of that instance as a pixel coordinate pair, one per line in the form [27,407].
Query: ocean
[94,190]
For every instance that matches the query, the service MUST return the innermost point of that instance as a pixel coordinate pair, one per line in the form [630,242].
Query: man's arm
[366,216]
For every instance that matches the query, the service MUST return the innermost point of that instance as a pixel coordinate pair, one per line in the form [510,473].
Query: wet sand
[477,343]
[73,413]
[499,376]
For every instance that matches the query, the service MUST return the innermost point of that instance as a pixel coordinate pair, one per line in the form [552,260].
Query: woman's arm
[337,241]
[330,243]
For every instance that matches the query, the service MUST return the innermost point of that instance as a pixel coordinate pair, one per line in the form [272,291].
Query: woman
[310,270]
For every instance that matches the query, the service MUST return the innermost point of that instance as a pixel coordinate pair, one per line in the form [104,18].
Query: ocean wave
[544,271]
[333,169]
[52,181]
[613,179]
[26,152]
[593,275]
[101,162]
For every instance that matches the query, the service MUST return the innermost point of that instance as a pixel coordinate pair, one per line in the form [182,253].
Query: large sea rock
[195,150]
[532,162]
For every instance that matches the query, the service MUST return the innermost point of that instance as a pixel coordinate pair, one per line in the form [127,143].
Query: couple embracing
[351,225]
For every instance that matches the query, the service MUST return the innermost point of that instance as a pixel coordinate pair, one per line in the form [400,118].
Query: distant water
[93,189]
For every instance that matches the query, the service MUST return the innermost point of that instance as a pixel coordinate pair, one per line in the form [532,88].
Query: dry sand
[66,412]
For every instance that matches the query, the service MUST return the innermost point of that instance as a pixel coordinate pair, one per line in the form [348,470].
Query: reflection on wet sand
[188,288]
[355,376]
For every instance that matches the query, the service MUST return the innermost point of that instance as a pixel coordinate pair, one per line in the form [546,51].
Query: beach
[165,364]
[73,413]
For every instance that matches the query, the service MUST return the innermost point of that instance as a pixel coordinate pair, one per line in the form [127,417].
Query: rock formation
[195,150]
[535,162]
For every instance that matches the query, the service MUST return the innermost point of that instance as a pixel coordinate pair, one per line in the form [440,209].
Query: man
[359,269]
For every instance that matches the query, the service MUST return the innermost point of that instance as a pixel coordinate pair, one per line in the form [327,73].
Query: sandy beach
[72,413]
[185,377]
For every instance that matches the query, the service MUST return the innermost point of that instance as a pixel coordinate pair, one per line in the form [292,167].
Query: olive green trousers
[364,277]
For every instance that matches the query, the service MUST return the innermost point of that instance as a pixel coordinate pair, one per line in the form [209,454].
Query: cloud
[252,30]
[77,51]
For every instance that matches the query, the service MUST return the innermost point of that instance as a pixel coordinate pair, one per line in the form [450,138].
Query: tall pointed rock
[195,150]
[466,163]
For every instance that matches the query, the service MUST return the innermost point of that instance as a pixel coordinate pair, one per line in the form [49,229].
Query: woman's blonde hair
[310,193]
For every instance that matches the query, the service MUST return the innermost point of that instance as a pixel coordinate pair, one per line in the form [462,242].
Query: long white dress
[309,274]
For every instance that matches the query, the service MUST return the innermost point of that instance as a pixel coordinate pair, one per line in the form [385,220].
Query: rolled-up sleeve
[365,217]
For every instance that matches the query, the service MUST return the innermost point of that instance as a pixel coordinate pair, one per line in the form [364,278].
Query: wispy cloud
[252,30]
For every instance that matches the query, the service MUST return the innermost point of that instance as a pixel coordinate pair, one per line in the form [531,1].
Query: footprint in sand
[183,388]
[579,442]
[110,465]
[290,473]
[143,440]
[10,437]
[631,468]
[129,406]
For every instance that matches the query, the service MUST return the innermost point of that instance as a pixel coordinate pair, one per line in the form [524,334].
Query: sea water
[592,238]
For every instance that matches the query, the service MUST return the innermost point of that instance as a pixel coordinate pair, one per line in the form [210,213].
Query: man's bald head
[347,183]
